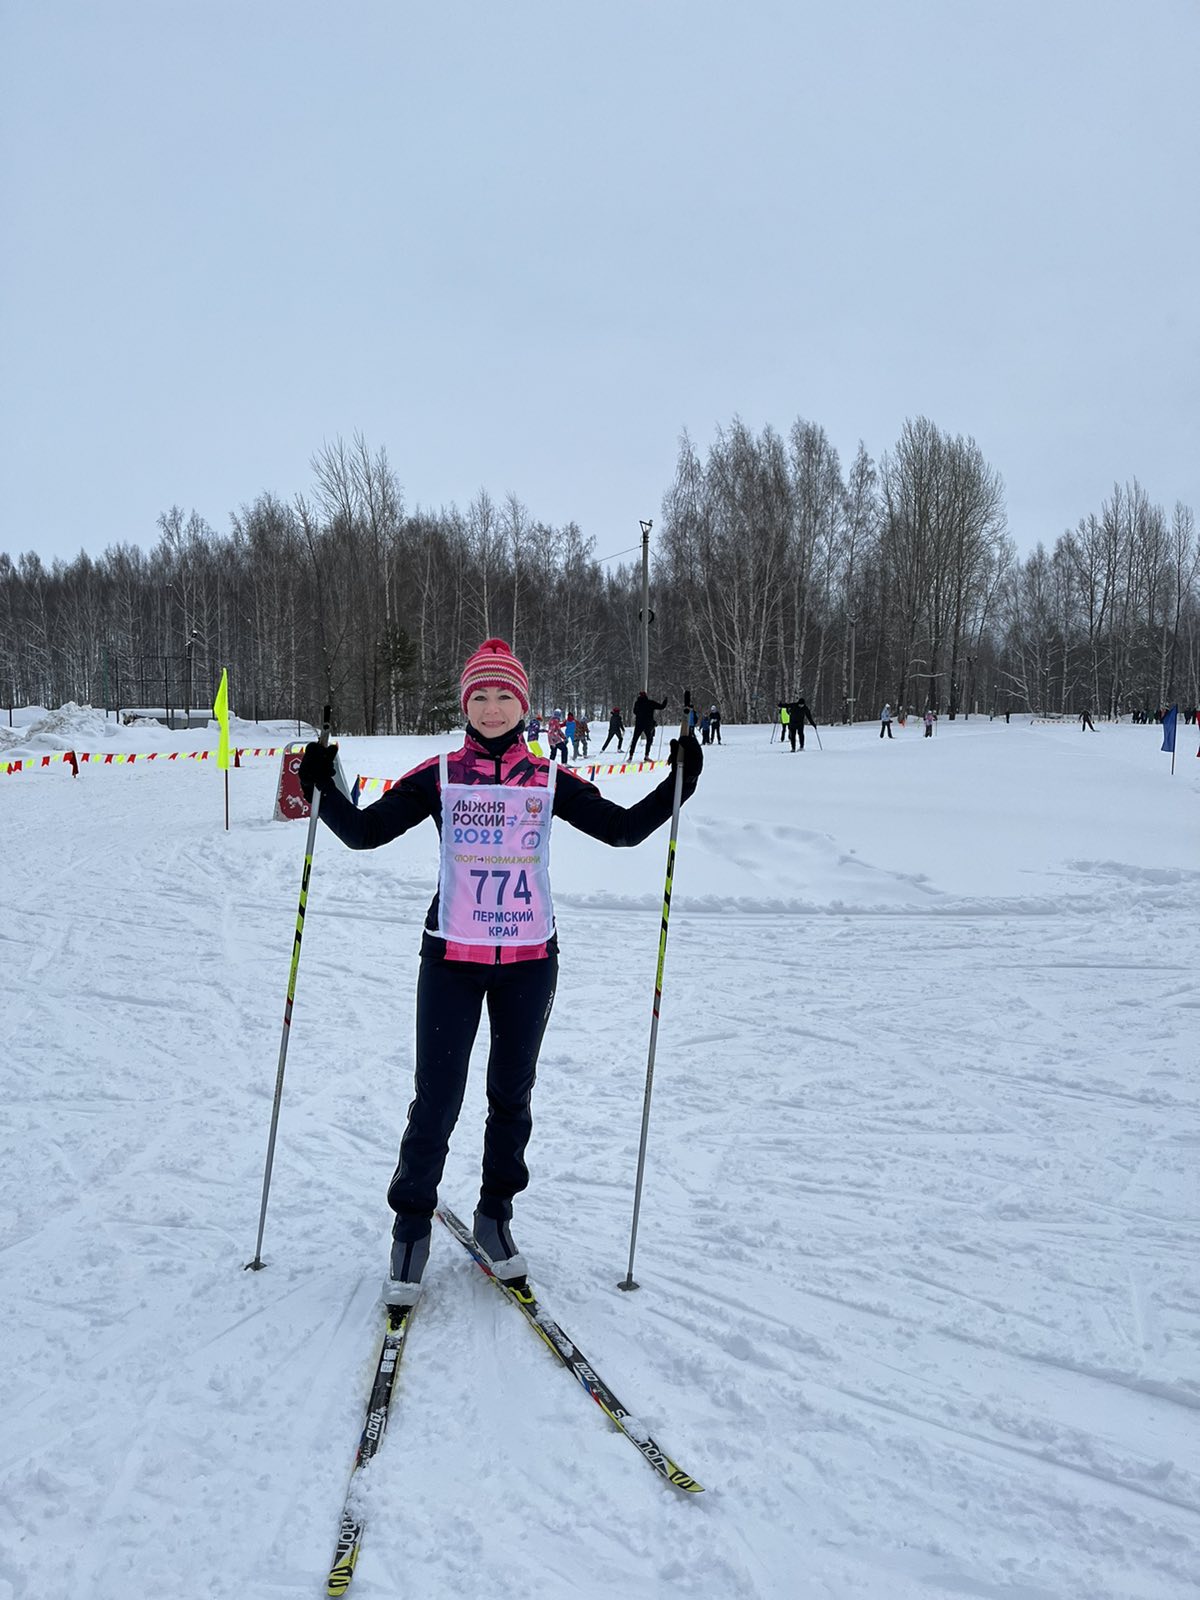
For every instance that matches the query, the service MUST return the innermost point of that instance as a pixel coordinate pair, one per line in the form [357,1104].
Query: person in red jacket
[489,938]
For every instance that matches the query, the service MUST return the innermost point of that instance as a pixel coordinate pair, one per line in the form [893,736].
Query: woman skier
[556,736]
[615,729]
[489,937]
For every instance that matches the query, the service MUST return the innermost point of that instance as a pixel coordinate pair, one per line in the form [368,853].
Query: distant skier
[785,717]
[498,949]
[714,724]
[615,729]
[798,715]
[556,737]
[643,722]
[929,723]
[1085,721]
[885,721]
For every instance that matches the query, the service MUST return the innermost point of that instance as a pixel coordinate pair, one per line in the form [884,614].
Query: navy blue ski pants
[450,999]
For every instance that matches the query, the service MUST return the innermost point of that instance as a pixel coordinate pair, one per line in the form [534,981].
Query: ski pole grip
[326,721]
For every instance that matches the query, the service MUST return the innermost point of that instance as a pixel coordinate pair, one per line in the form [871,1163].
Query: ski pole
[258,1263]
[817,731]
[628,1282]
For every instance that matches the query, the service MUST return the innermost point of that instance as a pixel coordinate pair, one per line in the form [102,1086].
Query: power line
[617,553]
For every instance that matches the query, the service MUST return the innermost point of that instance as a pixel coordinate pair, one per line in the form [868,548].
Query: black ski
[351,1531]
[573,1358]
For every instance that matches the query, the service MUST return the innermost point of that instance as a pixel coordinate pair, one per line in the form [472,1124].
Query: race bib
[495,863]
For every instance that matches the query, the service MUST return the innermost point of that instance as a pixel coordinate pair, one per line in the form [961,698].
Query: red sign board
[289,797]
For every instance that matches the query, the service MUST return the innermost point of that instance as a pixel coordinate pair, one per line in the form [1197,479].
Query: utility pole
[191,645]
[853,626]
[646,526]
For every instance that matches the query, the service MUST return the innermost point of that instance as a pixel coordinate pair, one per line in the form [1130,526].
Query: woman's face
[494,711]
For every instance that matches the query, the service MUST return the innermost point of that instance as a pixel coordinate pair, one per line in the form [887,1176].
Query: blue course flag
[1168,726]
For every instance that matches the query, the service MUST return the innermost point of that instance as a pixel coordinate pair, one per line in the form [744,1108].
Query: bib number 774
[521,889]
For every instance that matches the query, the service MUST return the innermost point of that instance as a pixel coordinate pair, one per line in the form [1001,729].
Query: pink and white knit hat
[493,666]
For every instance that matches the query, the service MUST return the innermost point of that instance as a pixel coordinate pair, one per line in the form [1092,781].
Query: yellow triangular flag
[221,712]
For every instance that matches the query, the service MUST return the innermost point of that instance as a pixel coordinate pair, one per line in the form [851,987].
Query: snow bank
[71,727]
[76,727]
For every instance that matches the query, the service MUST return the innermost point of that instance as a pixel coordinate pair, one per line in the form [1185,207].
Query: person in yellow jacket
[785,717]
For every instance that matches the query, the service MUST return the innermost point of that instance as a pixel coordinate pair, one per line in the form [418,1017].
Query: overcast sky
[524,246]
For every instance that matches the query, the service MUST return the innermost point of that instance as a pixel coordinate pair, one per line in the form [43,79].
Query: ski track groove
[985,1445]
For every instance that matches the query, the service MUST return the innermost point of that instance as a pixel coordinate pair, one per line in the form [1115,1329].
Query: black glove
[316,768]
[693,757]
[665,703]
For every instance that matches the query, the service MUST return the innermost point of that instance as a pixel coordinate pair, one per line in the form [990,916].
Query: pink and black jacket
[505,760]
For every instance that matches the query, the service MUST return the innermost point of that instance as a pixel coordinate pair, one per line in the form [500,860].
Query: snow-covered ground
[918,1250]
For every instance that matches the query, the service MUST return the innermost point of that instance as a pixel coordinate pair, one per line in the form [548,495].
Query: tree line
[776,571]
